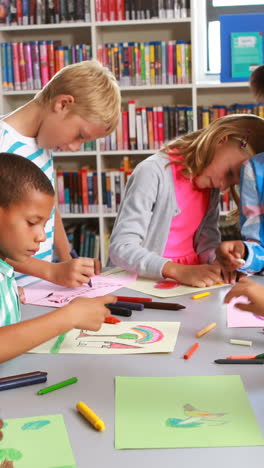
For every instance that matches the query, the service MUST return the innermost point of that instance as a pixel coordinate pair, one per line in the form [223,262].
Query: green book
[246,53]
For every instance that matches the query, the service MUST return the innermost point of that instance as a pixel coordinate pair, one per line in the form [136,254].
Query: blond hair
[95,91]
[198,148]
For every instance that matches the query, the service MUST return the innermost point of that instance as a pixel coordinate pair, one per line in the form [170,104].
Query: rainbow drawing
[147,334]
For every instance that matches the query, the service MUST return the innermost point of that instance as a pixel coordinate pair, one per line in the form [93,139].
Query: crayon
[191,351]
[119,311]
[260,356]
[239,361]
[163,305]
[241,342]
[205,330]
[23,381]
[198,296]
[74,254]
[19,376]
[241,261]
[245,356]
[112,320]
[129,305]
[134,299]
[89,414]
[57,386]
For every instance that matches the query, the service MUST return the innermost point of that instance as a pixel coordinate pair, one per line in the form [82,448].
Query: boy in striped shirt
[26,201]
[80,103]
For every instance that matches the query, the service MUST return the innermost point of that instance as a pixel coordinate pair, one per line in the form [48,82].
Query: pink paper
[237,318]
[48,294]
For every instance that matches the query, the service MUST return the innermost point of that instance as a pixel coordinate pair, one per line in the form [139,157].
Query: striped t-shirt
[9,300]
[13,142]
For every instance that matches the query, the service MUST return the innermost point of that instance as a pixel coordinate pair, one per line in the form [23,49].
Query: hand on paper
[199,276]
[253,291]
[21,295]
[74,272]
[89,314]
[228,252]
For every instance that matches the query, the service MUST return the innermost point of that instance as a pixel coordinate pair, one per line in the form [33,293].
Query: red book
[160,118]
[120,7]
[125,130]
[98,10]
[51,58]
[150,128]
[16,66]
[112,16]
[104,7]
[22,66]
[19,12]
[155,126]
[60,188]
[85,199]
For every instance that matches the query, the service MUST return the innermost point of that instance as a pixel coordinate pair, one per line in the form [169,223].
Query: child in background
[80,103]
[167,223]
[247,255]
[26,201]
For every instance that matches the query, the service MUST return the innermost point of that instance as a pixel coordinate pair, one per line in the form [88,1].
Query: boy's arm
[81,313]
[61,242]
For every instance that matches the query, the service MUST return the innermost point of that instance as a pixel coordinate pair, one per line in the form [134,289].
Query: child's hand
[253,291]
[21,294]
[89,314]
[228,252]
[75,272]
[199,276]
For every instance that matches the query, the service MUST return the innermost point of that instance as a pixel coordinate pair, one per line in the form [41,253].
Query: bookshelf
[201,90]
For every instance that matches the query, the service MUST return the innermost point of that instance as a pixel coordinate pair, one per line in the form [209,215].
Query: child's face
[64,132]
[225,168]
[22,226]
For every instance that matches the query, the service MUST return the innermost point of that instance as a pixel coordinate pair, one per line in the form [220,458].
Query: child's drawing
[122,338]
[196,418]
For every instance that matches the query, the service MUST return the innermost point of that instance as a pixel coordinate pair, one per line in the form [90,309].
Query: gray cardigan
[143,222]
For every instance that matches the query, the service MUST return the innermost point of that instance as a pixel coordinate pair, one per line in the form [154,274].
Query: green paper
[40,441]
[246,53]
[174,412]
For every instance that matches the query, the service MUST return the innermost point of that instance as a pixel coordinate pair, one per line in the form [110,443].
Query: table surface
[96,374]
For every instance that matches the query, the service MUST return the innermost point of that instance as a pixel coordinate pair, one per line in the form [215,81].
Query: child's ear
[63,103]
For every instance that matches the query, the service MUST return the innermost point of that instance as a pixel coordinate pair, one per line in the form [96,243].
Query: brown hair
[95,91]
[198,148]
[256,83]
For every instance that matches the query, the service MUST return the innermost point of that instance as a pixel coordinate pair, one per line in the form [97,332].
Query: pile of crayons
[125,305]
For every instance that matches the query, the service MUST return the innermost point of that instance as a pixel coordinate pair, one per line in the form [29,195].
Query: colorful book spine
[43,57]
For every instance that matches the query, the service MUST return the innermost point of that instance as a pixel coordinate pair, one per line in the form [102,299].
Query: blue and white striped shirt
[9,300]
[13,142]
[252,212]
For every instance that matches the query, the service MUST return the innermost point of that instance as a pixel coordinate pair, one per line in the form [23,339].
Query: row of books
[119,10]
[205,115]
[83,240]
[77,191]
[30,65]
[148,63]
[24,12]
[141,128]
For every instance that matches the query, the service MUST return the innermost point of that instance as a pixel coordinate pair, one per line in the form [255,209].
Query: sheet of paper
[123,338]
[166,288]
[170,412]
[48,294]
[37,442]
[237,318]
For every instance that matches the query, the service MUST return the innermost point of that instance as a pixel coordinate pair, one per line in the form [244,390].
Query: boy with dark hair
[257,83]
[26,201]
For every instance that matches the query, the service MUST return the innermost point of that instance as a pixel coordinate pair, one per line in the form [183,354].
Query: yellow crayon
[197,296]
[205,330]
[90,416]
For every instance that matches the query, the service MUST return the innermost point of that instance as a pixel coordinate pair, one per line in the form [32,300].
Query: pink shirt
[193,204]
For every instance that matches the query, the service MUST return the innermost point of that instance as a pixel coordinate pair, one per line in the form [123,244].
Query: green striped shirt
[9,300]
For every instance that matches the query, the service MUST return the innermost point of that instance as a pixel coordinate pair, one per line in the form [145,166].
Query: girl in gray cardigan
[209,159]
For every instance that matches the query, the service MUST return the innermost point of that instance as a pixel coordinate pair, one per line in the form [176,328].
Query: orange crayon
[191,351]
[243,356]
